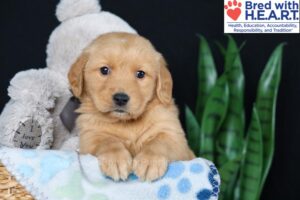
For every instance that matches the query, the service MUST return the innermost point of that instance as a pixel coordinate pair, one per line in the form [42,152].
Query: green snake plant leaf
[251,170]
[266,106]
[221,48]
[193,130]
[229,174]
[230,137]
[207,76]
[213,116]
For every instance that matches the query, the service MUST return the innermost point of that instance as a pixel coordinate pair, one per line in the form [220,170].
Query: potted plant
[217,131]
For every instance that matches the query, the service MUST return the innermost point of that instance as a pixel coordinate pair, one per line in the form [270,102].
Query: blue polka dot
[211,178]
[214,171]
[204,194]
[184,185]
[174,170]
[132,177]
[29,153]
[216,190]
[164,192]
[26,170]
[215,183]
[52,164]
[196,168]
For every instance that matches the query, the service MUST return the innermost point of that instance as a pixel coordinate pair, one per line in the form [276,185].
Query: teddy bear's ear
[67,9]
[75,75]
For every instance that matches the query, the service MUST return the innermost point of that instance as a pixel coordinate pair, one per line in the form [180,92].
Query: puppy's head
[121,73]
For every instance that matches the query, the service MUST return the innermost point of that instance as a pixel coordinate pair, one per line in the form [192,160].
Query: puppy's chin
[121,115]
[124,114]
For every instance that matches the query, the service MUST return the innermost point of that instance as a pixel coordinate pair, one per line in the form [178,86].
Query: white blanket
[62,175]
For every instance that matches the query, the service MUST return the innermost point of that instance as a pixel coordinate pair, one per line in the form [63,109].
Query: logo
[233,9]
[261,16]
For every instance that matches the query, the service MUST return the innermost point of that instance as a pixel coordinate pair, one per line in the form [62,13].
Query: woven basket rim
[10,188]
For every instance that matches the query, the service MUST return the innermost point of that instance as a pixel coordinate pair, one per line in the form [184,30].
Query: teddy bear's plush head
[81,22]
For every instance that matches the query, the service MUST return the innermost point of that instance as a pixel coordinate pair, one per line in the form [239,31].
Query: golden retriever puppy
[128,118]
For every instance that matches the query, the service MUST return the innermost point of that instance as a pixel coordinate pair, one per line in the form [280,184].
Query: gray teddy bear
[32,117]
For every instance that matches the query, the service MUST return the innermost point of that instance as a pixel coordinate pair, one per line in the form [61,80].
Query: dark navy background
[172,26]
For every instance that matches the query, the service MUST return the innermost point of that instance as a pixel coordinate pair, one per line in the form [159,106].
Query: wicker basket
[10,189]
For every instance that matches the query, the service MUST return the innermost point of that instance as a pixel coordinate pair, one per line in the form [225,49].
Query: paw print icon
[233,9]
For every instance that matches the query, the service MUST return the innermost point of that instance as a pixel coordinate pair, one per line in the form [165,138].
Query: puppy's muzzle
[120,99]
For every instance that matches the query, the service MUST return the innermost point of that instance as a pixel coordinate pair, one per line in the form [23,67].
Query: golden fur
[145,137]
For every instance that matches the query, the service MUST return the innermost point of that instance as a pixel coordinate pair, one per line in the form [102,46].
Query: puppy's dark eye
[104,70]
[140,74]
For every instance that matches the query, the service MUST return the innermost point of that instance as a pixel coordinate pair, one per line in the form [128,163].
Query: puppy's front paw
[116,165]
[149,166]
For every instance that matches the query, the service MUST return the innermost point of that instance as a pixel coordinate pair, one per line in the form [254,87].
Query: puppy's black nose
[120,99]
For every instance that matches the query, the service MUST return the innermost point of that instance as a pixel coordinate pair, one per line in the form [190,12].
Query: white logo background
[261,16]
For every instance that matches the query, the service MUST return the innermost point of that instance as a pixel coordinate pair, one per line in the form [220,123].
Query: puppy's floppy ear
[164,83]
[75,75]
